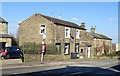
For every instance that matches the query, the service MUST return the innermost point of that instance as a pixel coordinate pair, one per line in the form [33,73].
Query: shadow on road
[12,58]
[74,71]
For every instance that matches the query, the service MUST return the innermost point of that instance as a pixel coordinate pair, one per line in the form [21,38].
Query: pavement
[17,63]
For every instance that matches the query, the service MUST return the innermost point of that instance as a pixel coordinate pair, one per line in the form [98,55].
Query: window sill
[66,54]
[67,37]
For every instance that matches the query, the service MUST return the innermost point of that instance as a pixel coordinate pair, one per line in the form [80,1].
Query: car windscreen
[15,48]
[7,49]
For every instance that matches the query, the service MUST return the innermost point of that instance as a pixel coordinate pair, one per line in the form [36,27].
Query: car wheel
[2,58]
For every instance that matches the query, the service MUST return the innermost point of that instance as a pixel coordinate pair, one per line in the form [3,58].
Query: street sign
[44,36]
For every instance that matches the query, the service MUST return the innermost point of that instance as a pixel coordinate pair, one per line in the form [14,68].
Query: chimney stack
[82,25]
[92,30]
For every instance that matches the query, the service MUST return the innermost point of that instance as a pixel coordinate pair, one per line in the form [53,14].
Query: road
[86,67]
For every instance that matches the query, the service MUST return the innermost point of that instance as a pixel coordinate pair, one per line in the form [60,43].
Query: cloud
[19,22]
[111,19]
[76,19]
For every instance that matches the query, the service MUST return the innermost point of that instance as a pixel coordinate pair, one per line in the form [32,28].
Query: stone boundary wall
[36,57]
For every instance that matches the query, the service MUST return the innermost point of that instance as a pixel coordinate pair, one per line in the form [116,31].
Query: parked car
[1,51]
[9,52]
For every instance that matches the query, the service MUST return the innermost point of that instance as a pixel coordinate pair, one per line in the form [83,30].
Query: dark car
[9,52]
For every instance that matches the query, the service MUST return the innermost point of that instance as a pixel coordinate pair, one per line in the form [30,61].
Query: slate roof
[61,22]
[5,36]
[2,20]
[87,44]
[99,36]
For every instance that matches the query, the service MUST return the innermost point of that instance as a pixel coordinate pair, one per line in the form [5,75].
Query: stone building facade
[101,44]
[5,39]
[66,36]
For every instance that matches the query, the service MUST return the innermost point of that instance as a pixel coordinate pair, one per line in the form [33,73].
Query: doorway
[2,44]
[77,47]
[89,51]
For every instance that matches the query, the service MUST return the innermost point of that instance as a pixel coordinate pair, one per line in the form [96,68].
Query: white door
[88,52]
[77,48]
[66,49]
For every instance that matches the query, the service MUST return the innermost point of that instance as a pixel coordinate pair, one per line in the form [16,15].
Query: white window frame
[67,49]
[67,36]
[77,34]
[41,28]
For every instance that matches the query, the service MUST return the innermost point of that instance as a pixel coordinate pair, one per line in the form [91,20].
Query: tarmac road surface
[105,67]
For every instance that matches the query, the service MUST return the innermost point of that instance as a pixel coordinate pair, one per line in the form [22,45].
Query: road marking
[112,69]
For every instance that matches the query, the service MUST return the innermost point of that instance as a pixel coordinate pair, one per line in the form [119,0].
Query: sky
[60,0]
[103,15]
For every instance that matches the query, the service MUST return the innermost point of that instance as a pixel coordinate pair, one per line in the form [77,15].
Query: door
[89,52]
[2,44]
[77,47]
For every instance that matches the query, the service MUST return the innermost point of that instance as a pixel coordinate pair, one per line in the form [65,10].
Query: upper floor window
[42,29]
[67,32]
[77,34]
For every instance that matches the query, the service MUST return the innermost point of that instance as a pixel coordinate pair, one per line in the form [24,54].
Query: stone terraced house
[101,44]
[66,36]
[5,38]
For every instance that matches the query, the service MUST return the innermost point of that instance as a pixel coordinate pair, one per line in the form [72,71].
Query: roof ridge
[2,20]
[100,36]
[59,19]
[64,22]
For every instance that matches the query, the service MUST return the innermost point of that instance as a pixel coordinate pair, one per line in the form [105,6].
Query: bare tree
[14,39]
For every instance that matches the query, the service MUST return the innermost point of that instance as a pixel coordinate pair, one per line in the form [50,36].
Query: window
[67,49]
[77,47]
[77,34]
[7,49]
[42,29]
[58,48]
[67,32]
[81,50]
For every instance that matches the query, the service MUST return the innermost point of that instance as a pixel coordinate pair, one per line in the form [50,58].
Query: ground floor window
[77,47]
[81,50]
[58,48]
[2,44]
[67,49]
